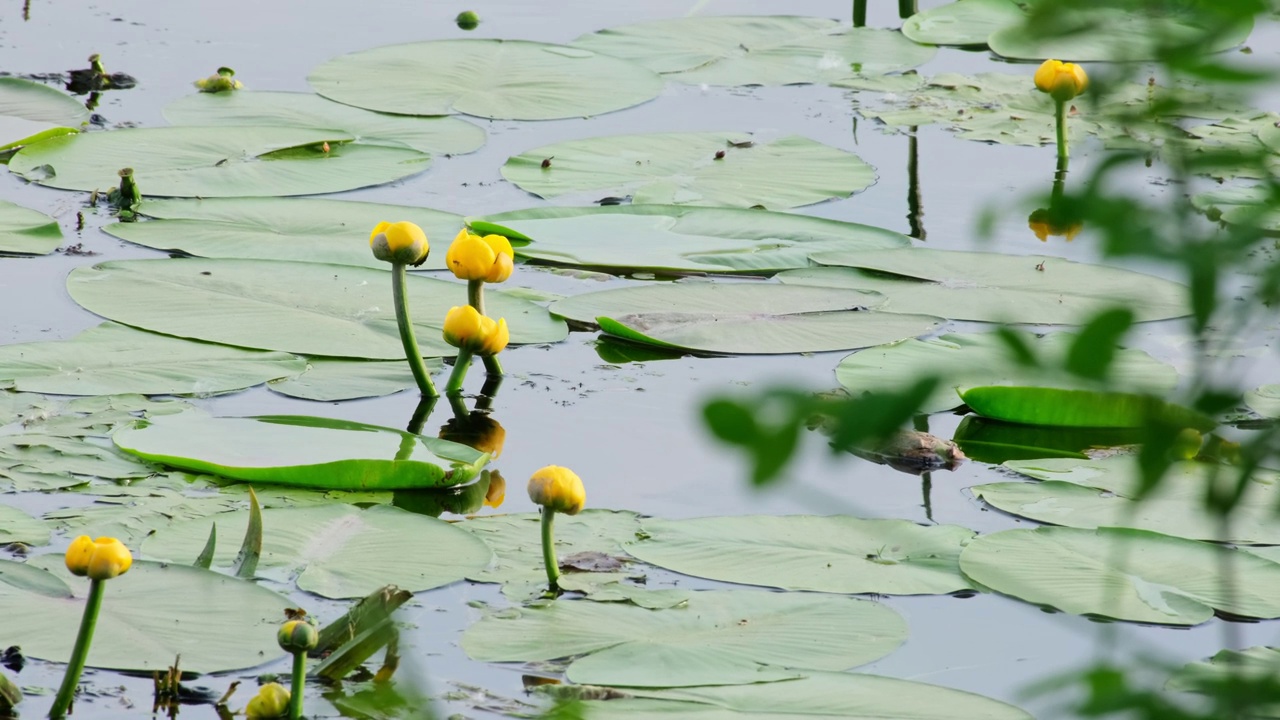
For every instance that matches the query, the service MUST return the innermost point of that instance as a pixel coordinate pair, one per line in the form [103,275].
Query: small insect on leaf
[325,147]
[546,162]
[1040,267]
[719,155]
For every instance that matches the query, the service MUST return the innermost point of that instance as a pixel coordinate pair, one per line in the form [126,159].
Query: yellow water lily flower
[559,489]
[1061,80]
[465,328]
[100,559]
[399,242]
[489,258]
[272,701]
[1043,223]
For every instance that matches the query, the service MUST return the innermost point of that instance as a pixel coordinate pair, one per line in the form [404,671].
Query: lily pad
[967,360]
[1124,574]
[216,161]
[330,380]
[18,527]
[337,551]
[837,553]
[304,451]
[709,169]
[1264,400]
[112,359]
[30,112]
[1251,665]
[992,287]
[746,318]
[499,79]
[306,308]
[1078,408]
[432,135]
[964,22]
[314,230]
[675,238]
[758,50]
[27,232]
[146,619]
[716,638]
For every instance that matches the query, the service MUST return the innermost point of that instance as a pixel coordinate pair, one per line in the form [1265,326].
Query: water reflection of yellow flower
[399,242]
[489,258]
[497,491]
[1044,223]
[1060,80]
[467,329]
[476,430]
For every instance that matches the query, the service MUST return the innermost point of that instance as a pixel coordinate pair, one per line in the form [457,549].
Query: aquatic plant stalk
[80,653]
[475,298]
[906,8]
[295,687]
[549,550]
[1060,117]
[411,351]
[460,366]
[859,13]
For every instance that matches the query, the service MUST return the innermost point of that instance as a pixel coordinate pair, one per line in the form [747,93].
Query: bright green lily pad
[336,551]
[499,79]
[743,318]
[1264,400]
[304,451]
[306,308]
[147,617]
[967,360]
[27,232]
[1078,408]
[683,169]
[216,161]
[31,111]
[432,135]
[329,380]
[1124,574]
[758,50]
[836,553]
[111,359]
[304,229]
[716,638]
[964,22]
[992,287]
[674,238]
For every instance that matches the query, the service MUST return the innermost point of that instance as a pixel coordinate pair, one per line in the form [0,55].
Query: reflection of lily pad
[27,232]
[995,442]
[716,169]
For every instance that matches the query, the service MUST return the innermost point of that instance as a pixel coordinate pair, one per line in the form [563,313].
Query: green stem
[475,297]
[459,407]
[459,373]
[80,653]
[411,351]
[859,13]
[906,8]
[549,550]
[1060,114]
[299,679]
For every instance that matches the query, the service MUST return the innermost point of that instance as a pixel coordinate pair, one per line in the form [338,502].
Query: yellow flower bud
[272,701]
[497,491]
[221,81]
[100,559]
[399,242]
[559,489]
[1061,80]
[477,431]
[467,329]
[1043,223]
[297,636]
[489,258]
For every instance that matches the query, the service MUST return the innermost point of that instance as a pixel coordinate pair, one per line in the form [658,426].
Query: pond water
[632,431]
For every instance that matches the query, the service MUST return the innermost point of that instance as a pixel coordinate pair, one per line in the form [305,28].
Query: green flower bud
[297,636]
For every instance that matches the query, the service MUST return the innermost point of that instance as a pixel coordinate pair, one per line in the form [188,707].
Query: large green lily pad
[27,232]
[307,308]
[758,50]
[304,229]
[681,238]
[147,617]
[30,112]
[329,380]
[964,22]
[216,161]
[433,135]
[1264,400]
[992,287]
[836,553]
[1124,574]
[18,527]
[716,638]
[301,450]
[499,79]
[112,359]
[708,168]
[746,318]
[336,551]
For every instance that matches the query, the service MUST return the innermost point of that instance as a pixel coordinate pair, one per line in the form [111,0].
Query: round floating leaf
[434,135]
[216,161]
[1264,400]
[307,308]
[758,50]
[836,553]
[332,380]
[1124,574]
[716,638]
[968,360]
[848,696]
[964,22]
[1078,408]
[690,239]
[18,527]
[499,79]
[149,616]
[683,169]
[302,450]
[991,287]
[27,232]
[336,551]
[1115,34]
[30,112]
[111,359]
[747,318]
[314,230]
[1248,666]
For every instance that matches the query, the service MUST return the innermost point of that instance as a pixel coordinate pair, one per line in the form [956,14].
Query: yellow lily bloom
[467,329]
[489,258]
[272,701]
[399,242]
[1061,80]
[221,81]
[100,559]
[559,489]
